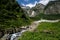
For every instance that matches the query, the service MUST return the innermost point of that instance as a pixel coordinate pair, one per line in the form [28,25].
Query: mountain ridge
[40,8]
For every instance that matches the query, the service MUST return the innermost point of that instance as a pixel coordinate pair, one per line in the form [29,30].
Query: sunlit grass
[45,31]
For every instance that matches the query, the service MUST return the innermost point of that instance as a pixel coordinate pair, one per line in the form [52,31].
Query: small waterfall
[32,14]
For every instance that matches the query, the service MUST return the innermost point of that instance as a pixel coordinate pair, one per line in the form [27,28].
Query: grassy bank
[45,31]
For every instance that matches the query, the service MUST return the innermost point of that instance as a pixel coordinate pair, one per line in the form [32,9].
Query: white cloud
[31,5]
[44,2]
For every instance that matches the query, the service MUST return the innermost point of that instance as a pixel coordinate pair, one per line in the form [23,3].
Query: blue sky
[32,3]
[27,1]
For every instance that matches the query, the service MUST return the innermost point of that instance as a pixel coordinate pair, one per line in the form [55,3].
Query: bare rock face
[53,8]
[32,12]
[38,8]
[1,33]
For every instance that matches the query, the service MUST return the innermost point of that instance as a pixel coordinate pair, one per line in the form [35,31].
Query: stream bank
[18,31]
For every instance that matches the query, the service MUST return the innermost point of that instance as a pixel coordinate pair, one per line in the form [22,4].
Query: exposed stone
[47,31]
[53,8]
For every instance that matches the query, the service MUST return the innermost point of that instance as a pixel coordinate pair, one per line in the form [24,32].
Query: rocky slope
[53,7]
[29,11]
[38,8]
[32,12]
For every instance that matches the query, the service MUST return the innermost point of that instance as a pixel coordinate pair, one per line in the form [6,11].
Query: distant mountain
[25,7]
[38,8]
[53,7]
[34,10]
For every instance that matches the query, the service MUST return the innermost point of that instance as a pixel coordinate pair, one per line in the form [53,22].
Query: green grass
[39,34]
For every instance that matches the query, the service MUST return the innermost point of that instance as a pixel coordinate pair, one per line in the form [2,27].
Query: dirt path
[34,25]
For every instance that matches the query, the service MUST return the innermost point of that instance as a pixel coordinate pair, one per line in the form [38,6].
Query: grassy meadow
[45,31]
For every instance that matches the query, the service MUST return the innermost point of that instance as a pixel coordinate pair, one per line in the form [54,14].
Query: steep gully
[26,28]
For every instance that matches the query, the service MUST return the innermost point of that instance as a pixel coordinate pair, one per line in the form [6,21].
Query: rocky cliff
[38,8]
[32,12]
[53,7]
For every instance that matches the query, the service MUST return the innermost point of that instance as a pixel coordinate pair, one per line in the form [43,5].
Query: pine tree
[11,14]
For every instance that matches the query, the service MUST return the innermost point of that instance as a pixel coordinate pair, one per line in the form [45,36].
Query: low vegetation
[45,31]
[51,16]
[46,16]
